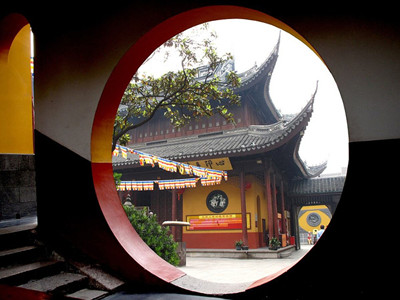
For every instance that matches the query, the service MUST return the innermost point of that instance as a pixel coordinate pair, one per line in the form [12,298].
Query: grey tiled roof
[314,186]
[241,141]
[207,145]
[237,142]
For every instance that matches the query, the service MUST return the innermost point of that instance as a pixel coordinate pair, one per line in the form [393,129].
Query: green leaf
[153,234]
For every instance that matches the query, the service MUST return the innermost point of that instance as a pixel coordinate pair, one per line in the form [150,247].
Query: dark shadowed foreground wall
[85,56]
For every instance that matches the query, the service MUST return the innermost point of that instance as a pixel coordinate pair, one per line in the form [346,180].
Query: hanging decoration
[177,183]
[206,176]
[116,150]
[209,181]
[167,165]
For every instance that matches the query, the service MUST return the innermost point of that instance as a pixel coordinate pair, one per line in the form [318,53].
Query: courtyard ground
[229,270]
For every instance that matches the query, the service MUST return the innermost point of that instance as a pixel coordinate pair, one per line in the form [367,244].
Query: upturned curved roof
[257,80]
[253,139]
[237,142]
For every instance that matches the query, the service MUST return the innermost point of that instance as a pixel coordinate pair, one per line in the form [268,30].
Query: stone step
[88,294]
[19,274]
[99,278]
[17,228]
[16,236]
[260,253]
[57,284]
[21,255]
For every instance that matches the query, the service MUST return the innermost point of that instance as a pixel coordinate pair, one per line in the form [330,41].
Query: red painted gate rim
[103,129]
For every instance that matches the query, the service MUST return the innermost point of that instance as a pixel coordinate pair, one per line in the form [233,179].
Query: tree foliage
[181,95]
[153,234]
[117,178]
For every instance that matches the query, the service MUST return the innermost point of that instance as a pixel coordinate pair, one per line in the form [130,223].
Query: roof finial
[316,89]
[279,41]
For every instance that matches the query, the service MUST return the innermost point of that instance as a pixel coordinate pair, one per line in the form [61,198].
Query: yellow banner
[223,163]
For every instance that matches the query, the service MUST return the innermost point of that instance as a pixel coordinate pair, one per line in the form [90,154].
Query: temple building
[259,155]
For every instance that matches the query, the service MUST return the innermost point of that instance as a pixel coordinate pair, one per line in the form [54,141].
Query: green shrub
[117,179]
[153,234]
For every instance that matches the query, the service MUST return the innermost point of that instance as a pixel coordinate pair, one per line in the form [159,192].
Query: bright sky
[292,84]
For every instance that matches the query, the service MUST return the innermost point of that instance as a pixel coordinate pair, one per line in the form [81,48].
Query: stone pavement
[229,270]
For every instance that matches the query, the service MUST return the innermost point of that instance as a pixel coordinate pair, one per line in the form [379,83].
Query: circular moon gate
[150,266]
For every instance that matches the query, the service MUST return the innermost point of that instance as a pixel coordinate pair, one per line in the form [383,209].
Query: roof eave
[262,76]
[308,172]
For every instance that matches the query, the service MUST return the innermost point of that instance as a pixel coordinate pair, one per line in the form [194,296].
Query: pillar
[268,195]
[274,206]
[243,208]
[295,223]
[284,229]
[173,212]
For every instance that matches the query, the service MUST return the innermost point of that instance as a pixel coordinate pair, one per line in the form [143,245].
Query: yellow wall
[16,129]
[194,201]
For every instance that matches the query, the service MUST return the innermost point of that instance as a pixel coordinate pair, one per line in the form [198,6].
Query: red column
[244,212]
[274,206]
[284,229]
[173,213]
[269,200]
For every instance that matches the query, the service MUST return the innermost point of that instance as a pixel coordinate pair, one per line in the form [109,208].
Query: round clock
[217,201]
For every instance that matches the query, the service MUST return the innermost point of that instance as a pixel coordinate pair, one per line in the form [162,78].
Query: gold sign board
[223,163]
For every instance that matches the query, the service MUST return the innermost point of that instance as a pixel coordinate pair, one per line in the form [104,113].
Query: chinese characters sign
[216,163]
[217,222]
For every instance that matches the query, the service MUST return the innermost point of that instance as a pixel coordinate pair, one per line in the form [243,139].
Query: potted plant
[274,244]
[238,245]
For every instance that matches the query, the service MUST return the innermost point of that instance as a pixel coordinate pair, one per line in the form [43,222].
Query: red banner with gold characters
[217,222]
